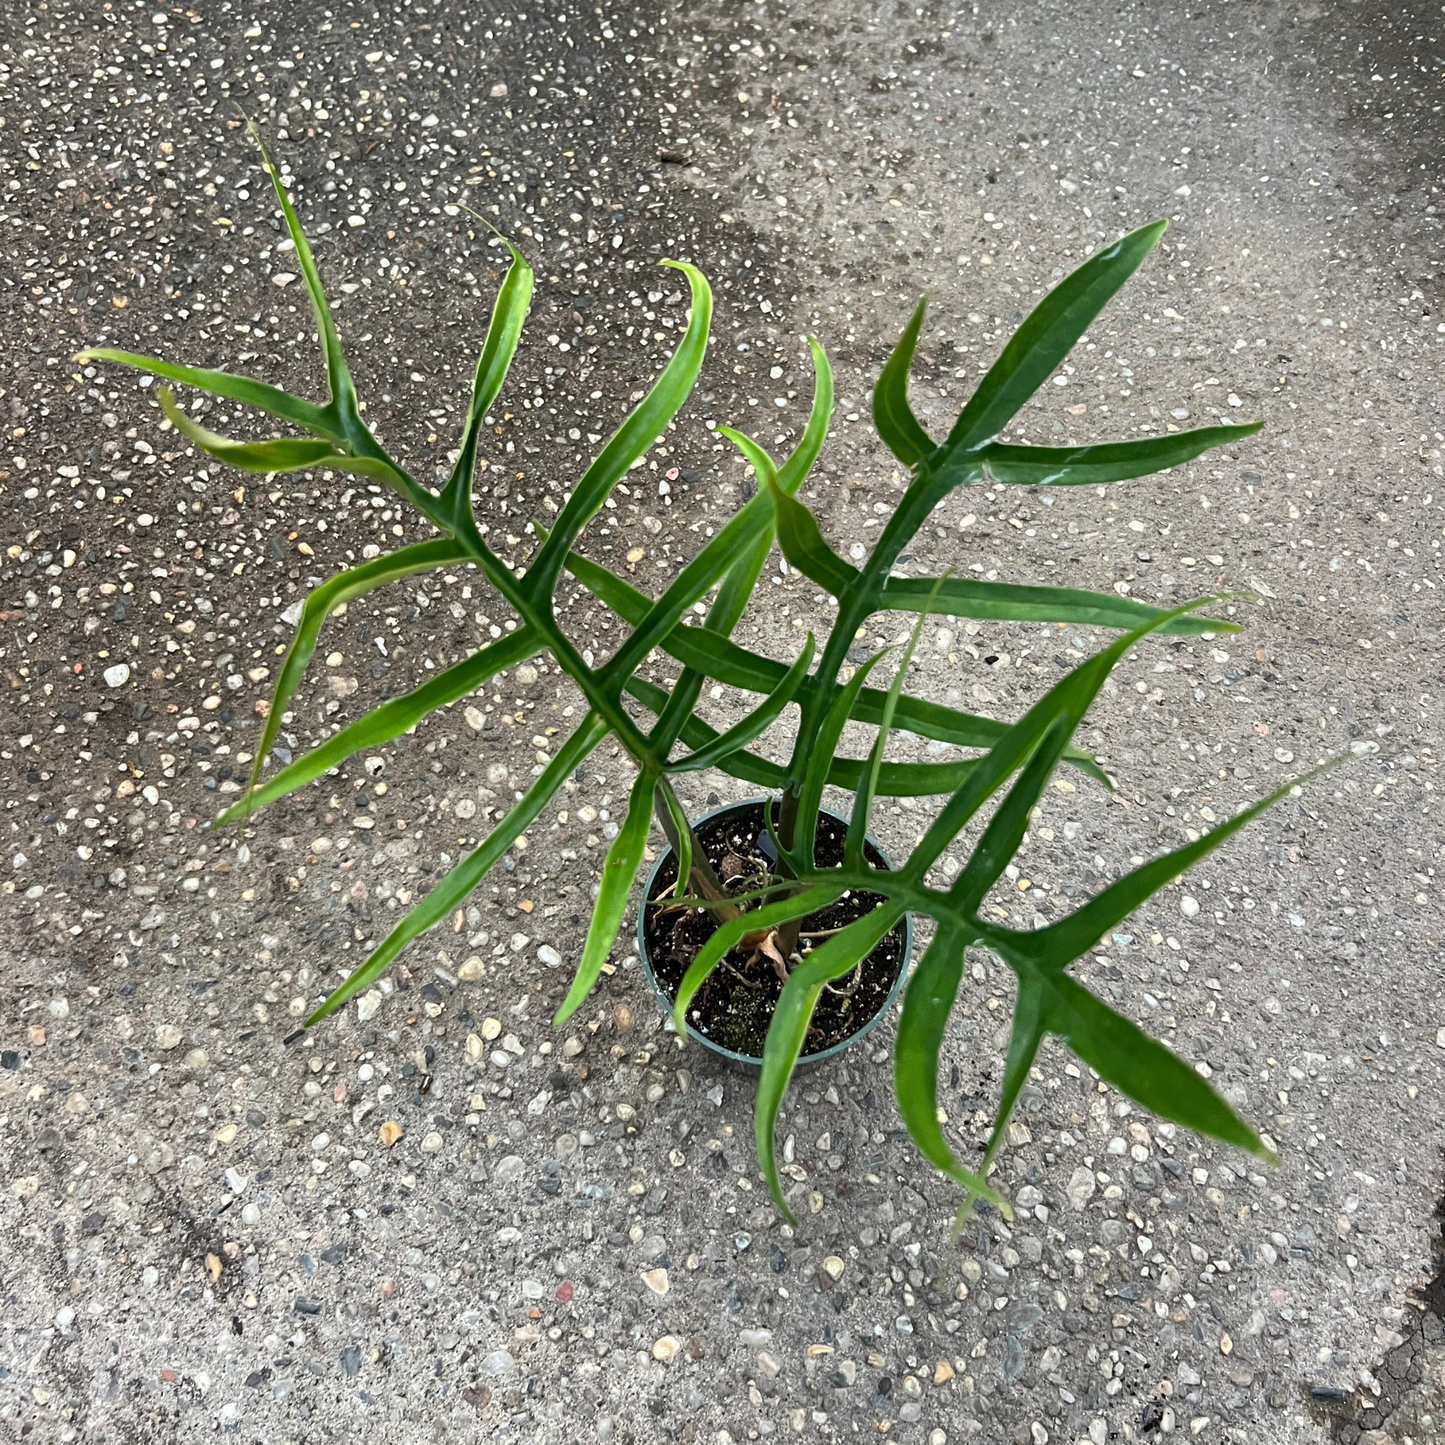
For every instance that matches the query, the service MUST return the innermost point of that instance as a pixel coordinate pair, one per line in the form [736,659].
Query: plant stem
[702,881]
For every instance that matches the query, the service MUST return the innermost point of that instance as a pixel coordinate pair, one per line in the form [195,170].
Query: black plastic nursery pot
[730,1014]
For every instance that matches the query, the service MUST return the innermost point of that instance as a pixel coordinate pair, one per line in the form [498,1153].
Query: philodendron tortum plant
[992,793]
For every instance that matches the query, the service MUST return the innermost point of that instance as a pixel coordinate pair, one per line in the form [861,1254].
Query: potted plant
[806,901]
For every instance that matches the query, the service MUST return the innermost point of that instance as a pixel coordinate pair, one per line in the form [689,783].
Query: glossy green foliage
[1008,768]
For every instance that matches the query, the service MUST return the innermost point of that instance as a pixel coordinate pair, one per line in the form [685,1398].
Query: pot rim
[750,1061]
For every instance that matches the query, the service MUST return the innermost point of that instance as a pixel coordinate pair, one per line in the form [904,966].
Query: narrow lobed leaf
[815,774]
[631,440]
[1006,602]
[743,732]
[1071,697]
[503,333]
[325,599]
[802,540]
[454,888]
[284,454]
[1124,1055]
[853,852]
[898,428]
[927,1004]
[259,394]
[792,1016]
[338,376]
[624,858]
[1023,1047]
[1048,335]
[1055,947]
[1006,829]
[390,720]
[1112,462]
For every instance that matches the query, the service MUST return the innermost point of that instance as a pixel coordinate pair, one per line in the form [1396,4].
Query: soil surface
[439,1217]
[735,1006]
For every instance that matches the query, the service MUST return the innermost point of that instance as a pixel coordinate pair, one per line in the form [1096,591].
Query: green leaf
[816,773]
[454,888]
[683,829]
[895,780]
[792,1015]
[1048,335]
[893,417]
[1070,697]
[259,394]
[285,454]
[321,602]
[503,334]
[636,434]
[948,725]
[927,1004]
[390,720]
[624,858]
[730,934]
[743,732]
[800,460]
[1125,1056]
[1023,1047]
[1112,462]
[1006,829]
[1055,947]
[741,578]
[800,538]
[696,647]
[338,376]
[1005,602]
[863,799]
[720,658]
[901,780]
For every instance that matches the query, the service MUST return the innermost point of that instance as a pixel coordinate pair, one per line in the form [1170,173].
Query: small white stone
[251,1214]
[1188,906]
[549,955]
[116,675]
[368,1004]
[1081,1187]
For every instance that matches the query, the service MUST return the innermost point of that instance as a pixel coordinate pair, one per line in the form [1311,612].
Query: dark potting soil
[734,1007]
